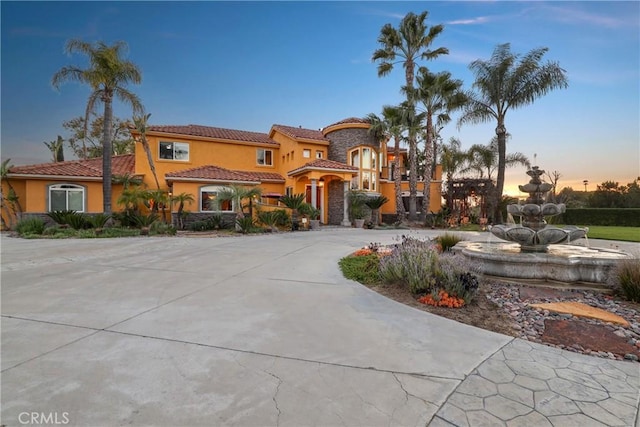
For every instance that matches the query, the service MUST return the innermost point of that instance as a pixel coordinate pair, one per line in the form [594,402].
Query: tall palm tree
[141,123]
[57,149]
[11,198]
[504,82]
[409,42]
[440,94]
[107,75]
[390,126]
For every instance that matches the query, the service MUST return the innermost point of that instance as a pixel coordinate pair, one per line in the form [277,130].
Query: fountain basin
[531,240]
[563,263]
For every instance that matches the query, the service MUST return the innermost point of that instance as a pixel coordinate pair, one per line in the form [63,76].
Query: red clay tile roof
[297,132]
[216,133]
[265,176]
[216,173]
[350,120]
[324,164]
[91,168]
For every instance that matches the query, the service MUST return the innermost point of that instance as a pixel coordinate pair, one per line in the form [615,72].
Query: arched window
[66,197]
[210,202]
[366,159]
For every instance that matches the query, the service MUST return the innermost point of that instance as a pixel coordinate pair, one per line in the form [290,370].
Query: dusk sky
[249,65]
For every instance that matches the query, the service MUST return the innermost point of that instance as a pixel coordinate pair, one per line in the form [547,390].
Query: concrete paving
[265,331]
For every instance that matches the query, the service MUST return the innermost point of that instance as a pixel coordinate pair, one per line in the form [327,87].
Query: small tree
[375,203]
[236,194]
[57,149]
[293,202]
[181,199]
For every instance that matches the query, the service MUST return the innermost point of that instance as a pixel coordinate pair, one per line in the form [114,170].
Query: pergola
[462,194]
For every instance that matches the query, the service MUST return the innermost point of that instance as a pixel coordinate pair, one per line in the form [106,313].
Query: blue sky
[248,65]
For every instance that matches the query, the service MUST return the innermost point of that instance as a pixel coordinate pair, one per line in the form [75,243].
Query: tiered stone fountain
[538,251]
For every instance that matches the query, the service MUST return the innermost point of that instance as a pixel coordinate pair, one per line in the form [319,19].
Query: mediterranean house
[201,160]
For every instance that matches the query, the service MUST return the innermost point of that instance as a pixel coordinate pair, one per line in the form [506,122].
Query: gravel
[530,321]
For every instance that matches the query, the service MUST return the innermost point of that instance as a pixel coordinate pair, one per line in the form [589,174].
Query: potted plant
[357,212]
[314,216]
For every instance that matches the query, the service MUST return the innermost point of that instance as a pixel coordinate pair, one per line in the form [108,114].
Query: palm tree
[57,149]
[485,158]
[293,202]
[505,82]
[236,194]
[386,127]
[440,95]
[107,75]
[12,197]
[181,199]
[126,180]
[141,123]
[453,160]
[375,203]
[410,42]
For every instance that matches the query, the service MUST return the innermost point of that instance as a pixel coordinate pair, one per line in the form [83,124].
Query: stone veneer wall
[345,139]
[342,141]
[336,202]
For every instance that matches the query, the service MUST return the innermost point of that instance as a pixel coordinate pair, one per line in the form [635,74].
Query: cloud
[577,16]
[471,21]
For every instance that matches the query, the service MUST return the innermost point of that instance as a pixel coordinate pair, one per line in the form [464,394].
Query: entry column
[345,211]
[314,193]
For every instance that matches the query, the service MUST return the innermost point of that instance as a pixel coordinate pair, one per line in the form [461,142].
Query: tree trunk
[428,160]
[501,133]
[413,177]
[397,181]
[106,154]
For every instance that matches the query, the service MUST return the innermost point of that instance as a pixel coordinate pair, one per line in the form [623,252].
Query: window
[265,157]
[66,197]
[288,191]
[366,159]
[306,153]
[210,202]
[319,154]
[174,151]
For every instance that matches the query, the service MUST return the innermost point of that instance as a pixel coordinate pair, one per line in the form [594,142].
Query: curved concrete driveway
[265,331]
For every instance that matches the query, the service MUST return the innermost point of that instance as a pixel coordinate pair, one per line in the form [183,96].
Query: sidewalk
[265,331]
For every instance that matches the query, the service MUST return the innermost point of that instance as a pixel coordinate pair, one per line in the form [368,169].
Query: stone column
[314,193]
[345,211]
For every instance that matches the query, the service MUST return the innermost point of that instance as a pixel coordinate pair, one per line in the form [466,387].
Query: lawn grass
[626,234]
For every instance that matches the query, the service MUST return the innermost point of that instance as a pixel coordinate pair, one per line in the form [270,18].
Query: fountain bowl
[538,240]
[561,263]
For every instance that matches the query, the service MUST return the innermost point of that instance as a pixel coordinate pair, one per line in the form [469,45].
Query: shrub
[413,263]
[626,277]
[77,220]
[457,277]
[30,226]
[163,228]
[60,217]
[364,269]
[99,220]
[447,241]
[126,218]
[245,224]
[145,220]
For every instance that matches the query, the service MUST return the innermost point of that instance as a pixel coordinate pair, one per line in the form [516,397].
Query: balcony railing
[388,172]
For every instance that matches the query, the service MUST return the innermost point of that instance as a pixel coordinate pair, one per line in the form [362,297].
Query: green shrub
[162,228]
[245,224]
[626,276]
[99,220]
[448,240]
[364,269]
[126,218]
[77,220]
[145,220]
[31,225]
[60,217]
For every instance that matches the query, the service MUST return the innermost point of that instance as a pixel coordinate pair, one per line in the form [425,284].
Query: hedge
[628,217]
